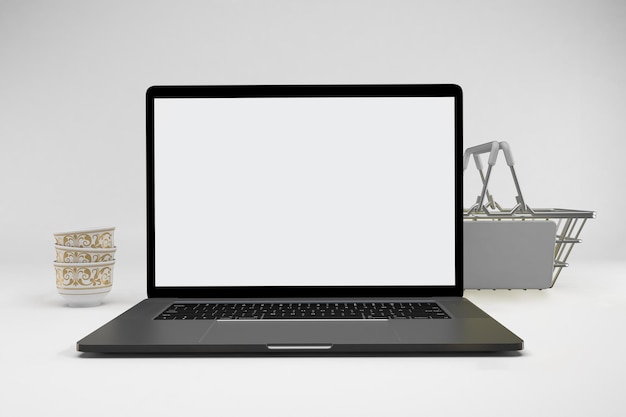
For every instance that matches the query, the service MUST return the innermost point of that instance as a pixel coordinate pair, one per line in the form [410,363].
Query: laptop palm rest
[300,334]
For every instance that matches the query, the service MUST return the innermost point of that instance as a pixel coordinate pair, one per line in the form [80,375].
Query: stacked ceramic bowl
[84,265]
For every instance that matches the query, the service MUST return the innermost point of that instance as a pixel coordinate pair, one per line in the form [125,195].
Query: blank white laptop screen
[304,191]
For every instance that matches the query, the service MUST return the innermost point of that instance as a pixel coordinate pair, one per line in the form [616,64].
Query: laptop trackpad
[295,333]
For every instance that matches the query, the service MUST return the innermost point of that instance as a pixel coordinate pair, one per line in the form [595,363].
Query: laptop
[304,220]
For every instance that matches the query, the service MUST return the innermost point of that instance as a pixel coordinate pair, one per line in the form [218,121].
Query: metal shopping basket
[518,248]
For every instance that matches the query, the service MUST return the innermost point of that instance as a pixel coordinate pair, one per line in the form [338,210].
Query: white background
[547,76]
[304,191]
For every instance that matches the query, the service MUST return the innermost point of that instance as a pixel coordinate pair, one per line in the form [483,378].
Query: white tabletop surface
[572,363]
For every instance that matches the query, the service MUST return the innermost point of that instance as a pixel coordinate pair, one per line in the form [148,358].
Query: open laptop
[304,219]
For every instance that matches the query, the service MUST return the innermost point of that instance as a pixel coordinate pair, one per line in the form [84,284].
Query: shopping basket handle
[491,147]
[506,148]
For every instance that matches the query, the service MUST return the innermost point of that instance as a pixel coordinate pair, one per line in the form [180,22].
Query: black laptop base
[300,337]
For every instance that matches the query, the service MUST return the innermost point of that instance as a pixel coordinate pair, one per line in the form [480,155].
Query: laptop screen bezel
[294,292]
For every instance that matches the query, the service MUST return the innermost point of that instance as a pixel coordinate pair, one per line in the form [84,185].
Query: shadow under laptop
[505,354]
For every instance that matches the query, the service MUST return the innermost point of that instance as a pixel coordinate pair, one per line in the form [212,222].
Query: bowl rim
[83,264]
[85,249]
[91,230]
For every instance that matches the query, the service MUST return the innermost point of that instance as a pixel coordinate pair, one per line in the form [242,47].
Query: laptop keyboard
[346,311]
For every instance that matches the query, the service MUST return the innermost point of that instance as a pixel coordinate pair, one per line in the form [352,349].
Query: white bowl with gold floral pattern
[69,254]
[84,284]
[89,238]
